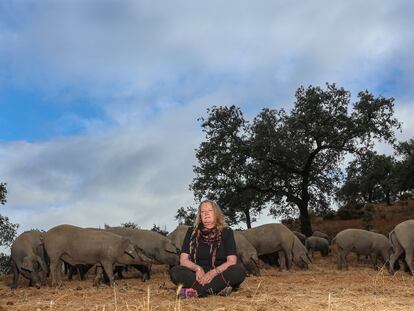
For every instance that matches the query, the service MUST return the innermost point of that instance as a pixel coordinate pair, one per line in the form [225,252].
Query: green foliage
[368,216]
[356,211]
[131,225]
[3,193]
[186,216]
[370,178]
[406,196]
[158,229]
[405,167]
[287,161]
[330,215]
[350,212]
[374,178]
[369,207]
[223,173]
[288,220]
[5,264]
[8,230]
[39,230]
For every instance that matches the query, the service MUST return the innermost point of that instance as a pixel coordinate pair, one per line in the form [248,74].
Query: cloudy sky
[99,99]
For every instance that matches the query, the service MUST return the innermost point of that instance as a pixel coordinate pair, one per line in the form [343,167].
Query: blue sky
[99,99]
[29,115]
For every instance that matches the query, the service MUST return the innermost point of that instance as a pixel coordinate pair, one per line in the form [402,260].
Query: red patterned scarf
[211,236]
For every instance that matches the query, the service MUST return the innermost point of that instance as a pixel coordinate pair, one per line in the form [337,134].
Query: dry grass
[320,288]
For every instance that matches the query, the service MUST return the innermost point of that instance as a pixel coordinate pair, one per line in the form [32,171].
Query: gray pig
[247,253]
[245,250]
[320,234]
[155,246]
[177,236]
[317,244]
[271,238]
[301,236]
[402,240]
[76,245]
[27,255]
[361,242]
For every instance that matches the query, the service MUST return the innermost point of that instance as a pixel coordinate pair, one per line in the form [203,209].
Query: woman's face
[208,218]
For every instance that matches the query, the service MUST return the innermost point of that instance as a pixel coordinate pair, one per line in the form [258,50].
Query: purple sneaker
[187,292]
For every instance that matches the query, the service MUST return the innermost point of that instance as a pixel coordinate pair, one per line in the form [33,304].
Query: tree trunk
[388,198]
[248,220]
[305,223]
[370,196]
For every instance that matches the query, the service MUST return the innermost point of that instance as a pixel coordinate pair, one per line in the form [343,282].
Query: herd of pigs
[36,254]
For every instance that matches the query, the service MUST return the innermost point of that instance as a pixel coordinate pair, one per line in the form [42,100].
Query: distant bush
[5,264]
[356,211]
[406,196]
[330,215]
[349,212]
[130,224]
[158,229]
[288,221]
[369,207]
[368,216]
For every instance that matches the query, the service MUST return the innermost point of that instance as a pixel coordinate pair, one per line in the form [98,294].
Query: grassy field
[320,288]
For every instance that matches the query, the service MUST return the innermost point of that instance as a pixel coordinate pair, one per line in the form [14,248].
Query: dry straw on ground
[320,288]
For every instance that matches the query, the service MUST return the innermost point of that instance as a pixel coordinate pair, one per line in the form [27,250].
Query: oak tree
[288,161]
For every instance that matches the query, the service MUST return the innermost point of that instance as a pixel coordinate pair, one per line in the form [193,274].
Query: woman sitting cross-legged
[208,261]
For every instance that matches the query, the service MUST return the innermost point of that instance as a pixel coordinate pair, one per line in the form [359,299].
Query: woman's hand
[208,277]
[200,274]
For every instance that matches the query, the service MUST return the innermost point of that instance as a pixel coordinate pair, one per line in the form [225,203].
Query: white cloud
[154,68]
[131,47]
[139,173]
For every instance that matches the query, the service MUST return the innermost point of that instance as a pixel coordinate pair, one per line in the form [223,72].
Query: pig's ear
[27,264]
[127,247]
[171,248]
[130,250]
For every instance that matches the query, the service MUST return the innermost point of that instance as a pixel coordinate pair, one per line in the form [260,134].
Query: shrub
[330,215]
[356,211]
[406,196]
[368,215]
[158,229]
[5,264]
[288,221]
[349,213]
